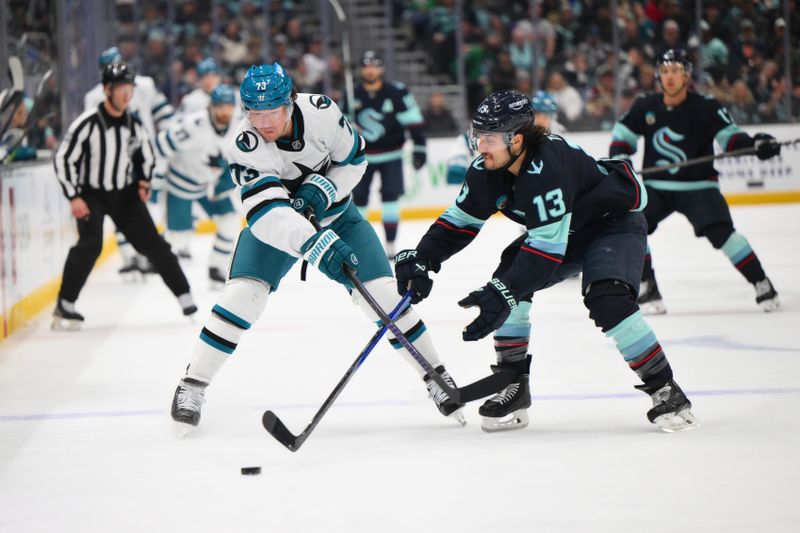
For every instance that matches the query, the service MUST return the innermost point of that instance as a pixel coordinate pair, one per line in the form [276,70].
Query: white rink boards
[86,443]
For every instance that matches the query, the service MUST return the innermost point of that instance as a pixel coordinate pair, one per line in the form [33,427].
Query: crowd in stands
[741,64]
[565,48]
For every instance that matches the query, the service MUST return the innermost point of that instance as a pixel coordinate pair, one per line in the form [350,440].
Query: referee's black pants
[131,217]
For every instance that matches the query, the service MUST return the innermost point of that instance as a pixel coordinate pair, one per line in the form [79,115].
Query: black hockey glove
[419,160]
[413,272]
[496,300]
[766,146]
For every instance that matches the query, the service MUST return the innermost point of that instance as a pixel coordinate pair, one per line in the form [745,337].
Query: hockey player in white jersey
[207,78]
[545,112]
[294,152]
[155,112]
[192,158]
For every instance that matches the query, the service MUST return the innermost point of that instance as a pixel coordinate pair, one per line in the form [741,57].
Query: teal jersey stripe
[669,185]
[349,159]
[621,132]
[736,247]
[171,143]
[385,157]
[260,181]
[420,148]
[184,177]
[158,145]
[266,209]
[214,344]
[242,323]
[632,336]
[551,237]
[456,216]
[410,117]
[724,135]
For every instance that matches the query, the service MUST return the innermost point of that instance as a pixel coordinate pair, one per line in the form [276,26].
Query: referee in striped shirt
[104,165]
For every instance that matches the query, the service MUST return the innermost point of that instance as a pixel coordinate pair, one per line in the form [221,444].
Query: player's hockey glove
[316,192]
[766,146]
[326,251]
[495,300]
[419,160]
[413,272]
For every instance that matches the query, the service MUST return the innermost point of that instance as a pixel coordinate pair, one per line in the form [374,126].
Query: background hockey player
[207,78]
[155,112]
[294,152]
[678,125]
[545,112]
[196,171]
[384,111]
[104,164]
[580,215]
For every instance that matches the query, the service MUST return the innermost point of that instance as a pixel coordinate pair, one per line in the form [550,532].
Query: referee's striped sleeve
[69,154]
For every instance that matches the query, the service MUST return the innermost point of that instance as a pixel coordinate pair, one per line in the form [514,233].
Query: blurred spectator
[743,107]
[438,119]
[715,53]
[520,48]
[234,47]
[504,74]
[314,64]
[670,37]
[600,100]
[570,103]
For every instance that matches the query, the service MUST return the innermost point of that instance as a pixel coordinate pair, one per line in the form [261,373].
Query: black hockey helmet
[502,111]
[117,72]
[371,58]
[675,55]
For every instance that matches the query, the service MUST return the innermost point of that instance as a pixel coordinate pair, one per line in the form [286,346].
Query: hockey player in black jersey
[678,125]
[384,110]
[581,215]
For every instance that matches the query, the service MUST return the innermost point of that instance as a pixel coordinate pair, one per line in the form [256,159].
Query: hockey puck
[251,470]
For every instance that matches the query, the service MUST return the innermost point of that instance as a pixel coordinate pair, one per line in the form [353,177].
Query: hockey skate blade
[677,422]
[278,429]
[770,305]
[655,307]
[515,420]
[458,416]
[62,324]
[182,430]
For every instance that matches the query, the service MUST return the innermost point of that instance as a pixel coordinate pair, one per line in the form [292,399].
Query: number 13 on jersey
[550,205]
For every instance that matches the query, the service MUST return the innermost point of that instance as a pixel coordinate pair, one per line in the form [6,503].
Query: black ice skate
[187,403]
[130,271]
[649,299]
[65,318]
[672,410]
[187,304]
[767,296]
[508,409]
[216,276]
[443,402]
[144,266]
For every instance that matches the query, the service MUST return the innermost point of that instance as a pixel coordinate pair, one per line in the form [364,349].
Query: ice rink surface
[86,443]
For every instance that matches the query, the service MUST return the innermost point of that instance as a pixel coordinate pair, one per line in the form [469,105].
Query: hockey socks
[741,254]
[512,338]
[638,345]
[390,213]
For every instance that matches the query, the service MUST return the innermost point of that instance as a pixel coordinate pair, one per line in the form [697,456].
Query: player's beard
[496,160]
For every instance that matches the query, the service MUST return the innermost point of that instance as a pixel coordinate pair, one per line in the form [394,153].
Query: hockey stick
[478,389]
[750,150]
[15,95]
[278,429]
[32,116]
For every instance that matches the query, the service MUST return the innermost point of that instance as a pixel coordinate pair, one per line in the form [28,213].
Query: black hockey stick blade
[484,387]
[278,429]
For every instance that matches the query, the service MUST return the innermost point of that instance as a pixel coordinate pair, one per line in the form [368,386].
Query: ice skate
[130,271]
[144,266]
[187,304]
[65,318]
[649,299]
[184,253]
[217,277]
[443,402]
[187,404]
[767,296]
[672,410]
[508,409]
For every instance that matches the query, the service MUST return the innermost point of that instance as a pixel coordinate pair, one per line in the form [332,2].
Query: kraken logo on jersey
[320,101]
[464,193]
[478,163]
[370,122]
[247,141]
[662,143]
[536,169]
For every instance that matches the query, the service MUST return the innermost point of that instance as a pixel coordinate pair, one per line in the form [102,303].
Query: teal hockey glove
[316,192]
[327,252]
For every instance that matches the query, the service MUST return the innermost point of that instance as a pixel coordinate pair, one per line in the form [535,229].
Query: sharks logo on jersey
[320,101]
[663,140]
[247,141]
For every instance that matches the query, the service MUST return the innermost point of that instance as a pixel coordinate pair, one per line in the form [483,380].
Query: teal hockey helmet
[207,66]
[109,55]
[223,94]
[266,87]
[544,102]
